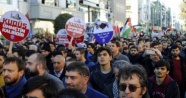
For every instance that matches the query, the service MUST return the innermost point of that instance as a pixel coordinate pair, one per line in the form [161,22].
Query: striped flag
[126,28]
[138,28]
[116,31]
[168,29]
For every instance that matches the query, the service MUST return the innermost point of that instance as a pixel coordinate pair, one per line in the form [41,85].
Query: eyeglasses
[132,88]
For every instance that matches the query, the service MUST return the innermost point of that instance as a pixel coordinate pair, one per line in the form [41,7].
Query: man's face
[45,53]
[179,44]
[74,80]
[103,57]
[156,47]
[37,93]
[154,57]
[133,51]
[58,64]
[164,45]
[135,82]
[114,47]
[147,45]
[89,48]
[140,48]
[161,72]
[1,61]
[52,47]
[175,52]
[11,73]
[31,66]
[79,56]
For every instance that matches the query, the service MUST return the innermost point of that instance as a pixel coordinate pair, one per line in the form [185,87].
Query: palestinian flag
[138,28]
[126,28]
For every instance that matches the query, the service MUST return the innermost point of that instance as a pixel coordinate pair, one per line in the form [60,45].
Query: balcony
[88,3]
[41,11]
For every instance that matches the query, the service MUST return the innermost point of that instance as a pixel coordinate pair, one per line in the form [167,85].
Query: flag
[138,28]
[152,29]
[116,31]
[168,29]
[126,28]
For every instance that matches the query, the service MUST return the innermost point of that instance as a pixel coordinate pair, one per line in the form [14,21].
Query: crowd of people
[121,68]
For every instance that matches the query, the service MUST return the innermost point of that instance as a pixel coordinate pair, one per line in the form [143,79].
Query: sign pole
[10,47]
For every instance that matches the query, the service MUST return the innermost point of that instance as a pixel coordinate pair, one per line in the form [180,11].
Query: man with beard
[178,67]
[161,85]
[36,66]
[134,56]
[77,76]
[13,71]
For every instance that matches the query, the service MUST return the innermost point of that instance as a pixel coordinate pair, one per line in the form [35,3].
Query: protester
[36,66]
[59,67]
[39,87]
[161,85]
[133,82]
[111,90]
[178,67]
[77,77]
[103,74]
[13,71]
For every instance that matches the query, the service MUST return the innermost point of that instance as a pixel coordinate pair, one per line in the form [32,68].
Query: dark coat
[91,93]
[169,86]
[99,82]
[62,75]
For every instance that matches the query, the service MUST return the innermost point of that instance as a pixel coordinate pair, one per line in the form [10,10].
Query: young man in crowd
[80,56]
[178,67]
[115,46]
[103,74]
[161,85]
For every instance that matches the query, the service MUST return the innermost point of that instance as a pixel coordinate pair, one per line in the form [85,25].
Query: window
[5,1]
[48,2]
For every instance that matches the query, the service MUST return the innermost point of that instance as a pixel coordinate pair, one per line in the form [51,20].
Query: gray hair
[120,63]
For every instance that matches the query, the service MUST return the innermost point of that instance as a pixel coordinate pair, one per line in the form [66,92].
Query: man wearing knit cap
[46,52]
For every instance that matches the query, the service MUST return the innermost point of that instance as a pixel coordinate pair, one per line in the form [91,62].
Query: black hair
[102,49]
[161,63]
[116,42]
[79,67]
[126,72]
[81,50]
[175,46]
[20,63]
[46,85]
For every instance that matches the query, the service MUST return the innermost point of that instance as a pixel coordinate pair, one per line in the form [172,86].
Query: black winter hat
[46,47]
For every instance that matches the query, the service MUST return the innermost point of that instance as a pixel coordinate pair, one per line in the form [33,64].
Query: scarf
[15,90]
[115,89]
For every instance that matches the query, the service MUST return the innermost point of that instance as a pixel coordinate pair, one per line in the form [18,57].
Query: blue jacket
[91,93]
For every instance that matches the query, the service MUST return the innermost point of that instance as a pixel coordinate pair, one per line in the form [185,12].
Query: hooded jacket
[168,89]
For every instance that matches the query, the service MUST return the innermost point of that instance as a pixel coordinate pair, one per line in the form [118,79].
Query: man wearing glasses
[132,82]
